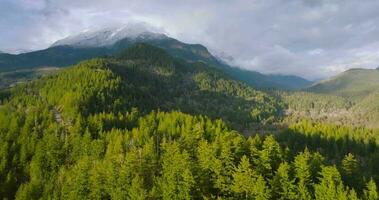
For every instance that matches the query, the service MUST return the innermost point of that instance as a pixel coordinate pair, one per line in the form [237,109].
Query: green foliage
[350,98]
[371,191]
[108,129]
[330,186]
[329,108]
[283,184]
[356,148]
[247,183]
[367,110]
[145,52]
[354,84]
[177,179]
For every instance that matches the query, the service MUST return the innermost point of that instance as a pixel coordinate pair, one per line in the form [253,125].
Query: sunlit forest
[145,125]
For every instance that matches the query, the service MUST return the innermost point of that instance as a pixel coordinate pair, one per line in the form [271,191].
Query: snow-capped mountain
[111,41]
[109,36]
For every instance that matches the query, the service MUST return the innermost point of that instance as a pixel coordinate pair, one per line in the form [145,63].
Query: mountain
[111,41]
[58,56]
[73,49]
[145,125]
[354,83]
[256,79]
[150,78]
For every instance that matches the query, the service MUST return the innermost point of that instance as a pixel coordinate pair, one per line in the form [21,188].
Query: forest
[145,125]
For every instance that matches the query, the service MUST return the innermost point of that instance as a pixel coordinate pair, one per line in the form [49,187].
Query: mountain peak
[109,36]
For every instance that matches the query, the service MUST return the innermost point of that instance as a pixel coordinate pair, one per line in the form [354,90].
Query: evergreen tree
[177,180]
[283,186]
[350,170]
[136,190]
[371,191]
[248,184]
[330,186]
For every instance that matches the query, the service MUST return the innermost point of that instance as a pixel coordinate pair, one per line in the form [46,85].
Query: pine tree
[269,157]
[371,192]
[352,195]
[303,174]
[330,186]
[248,184]
[177,179]
[350,170]
[283,186]
[244,179]
[136,190]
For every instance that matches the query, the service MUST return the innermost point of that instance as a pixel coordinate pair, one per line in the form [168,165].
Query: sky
[310,38]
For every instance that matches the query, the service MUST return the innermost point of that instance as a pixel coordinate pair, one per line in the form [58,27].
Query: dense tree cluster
[117,129]
[162,156]
[354,150]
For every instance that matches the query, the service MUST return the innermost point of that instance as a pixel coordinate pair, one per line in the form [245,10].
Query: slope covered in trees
[116,128]
[348,98]
[354,84]
[331,108]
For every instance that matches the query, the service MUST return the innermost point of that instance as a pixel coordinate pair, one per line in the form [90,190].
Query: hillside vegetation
[147,126]
[354,84]
[350,98]
[10,79]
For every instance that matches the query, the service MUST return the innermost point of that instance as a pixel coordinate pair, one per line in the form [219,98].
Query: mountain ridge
[72,50]
[353,83]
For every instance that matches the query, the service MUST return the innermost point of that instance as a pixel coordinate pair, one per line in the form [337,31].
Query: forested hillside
[144,125]
[348,98]
[354,84]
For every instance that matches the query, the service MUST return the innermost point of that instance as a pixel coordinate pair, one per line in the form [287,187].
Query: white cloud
[311,38]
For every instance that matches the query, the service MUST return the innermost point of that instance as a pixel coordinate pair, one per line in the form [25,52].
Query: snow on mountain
[109,36]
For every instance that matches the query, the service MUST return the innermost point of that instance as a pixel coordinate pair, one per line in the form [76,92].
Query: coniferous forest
[145,125]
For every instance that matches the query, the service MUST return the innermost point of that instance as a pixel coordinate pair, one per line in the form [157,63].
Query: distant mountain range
[253,78]
[111,41]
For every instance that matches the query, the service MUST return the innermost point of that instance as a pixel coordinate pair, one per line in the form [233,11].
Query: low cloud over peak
[311,38]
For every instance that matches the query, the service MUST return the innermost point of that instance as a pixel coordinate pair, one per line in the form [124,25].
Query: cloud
[311,38]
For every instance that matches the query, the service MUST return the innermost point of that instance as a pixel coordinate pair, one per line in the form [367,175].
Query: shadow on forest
[334,149]
[149,91]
